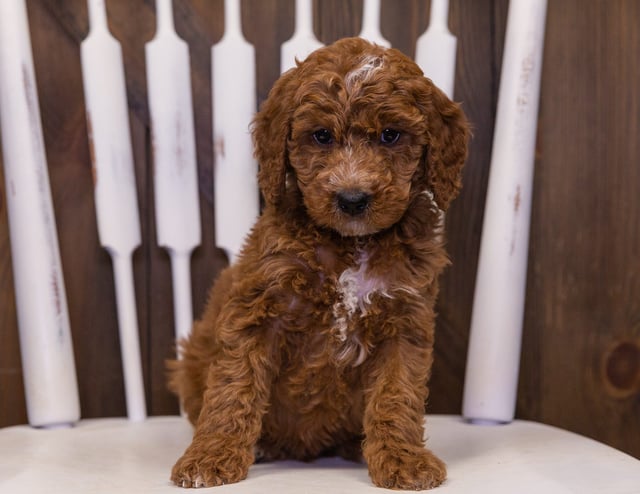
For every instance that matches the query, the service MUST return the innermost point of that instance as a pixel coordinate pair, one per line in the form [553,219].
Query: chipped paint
[44,201]
[56,292]
[517,202]
[180,155]
[218,146]
[92,151]
[527,69]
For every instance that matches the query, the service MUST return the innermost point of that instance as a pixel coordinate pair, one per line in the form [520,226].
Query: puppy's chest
[354,304]
[358,309]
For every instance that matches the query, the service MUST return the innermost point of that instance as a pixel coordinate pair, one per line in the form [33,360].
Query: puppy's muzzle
[353,202]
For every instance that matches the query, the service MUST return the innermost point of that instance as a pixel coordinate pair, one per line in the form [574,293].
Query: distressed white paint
[174,156]
[436,48]
[234,104]
[115,185]
[371,23]
[303,41]
[45,339]
[496,324]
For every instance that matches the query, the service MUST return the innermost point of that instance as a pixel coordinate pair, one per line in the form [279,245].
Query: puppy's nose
[353,202]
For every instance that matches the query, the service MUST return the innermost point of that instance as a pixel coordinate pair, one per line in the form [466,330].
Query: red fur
[319,339]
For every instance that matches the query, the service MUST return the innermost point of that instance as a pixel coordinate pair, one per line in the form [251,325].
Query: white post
[371,23]
[496,326]
[174,153]
[303,41]
[436,48]
[45,338]
[234,105]
[115,185]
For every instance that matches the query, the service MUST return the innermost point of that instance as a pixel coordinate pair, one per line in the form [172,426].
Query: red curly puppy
[319,339]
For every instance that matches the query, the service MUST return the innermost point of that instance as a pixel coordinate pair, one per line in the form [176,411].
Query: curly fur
[319,339]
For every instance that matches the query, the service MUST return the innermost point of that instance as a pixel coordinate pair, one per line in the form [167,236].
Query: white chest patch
[356,289]
[439,227]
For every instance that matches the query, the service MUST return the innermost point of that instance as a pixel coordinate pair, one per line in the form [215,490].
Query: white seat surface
[116,456]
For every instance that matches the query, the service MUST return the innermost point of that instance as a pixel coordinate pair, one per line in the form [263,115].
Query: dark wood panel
[584,286]
[12,404]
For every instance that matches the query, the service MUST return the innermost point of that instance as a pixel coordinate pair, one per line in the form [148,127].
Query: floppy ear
[270,129]
[448,135]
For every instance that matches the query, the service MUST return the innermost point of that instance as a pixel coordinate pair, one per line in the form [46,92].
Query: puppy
[318,341]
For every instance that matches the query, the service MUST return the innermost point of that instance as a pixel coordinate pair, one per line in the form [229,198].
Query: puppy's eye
[323,137]
[389,136]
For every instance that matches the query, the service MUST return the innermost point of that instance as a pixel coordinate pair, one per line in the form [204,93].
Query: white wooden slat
[303,41]
[371,23]
[45,338]
[234,104]
[436,48]
[115,186]
[174,153]
[498,308]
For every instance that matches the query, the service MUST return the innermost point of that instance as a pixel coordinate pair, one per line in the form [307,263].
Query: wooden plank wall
[581,353]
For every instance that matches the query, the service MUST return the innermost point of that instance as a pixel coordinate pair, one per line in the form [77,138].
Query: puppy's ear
[270,129]
[449,133]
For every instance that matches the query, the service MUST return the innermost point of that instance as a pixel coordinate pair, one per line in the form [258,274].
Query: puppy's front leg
[230,420]
[393,421]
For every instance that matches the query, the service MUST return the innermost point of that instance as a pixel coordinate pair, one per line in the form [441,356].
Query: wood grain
[584,287]
[582,321]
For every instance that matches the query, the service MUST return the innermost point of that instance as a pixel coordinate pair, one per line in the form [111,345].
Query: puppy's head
[358,132]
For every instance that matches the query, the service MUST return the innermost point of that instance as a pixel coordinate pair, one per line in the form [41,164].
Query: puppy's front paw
[414,470]
[209,470]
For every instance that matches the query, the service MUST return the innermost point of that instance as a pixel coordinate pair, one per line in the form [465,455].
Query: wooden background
[581,352]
